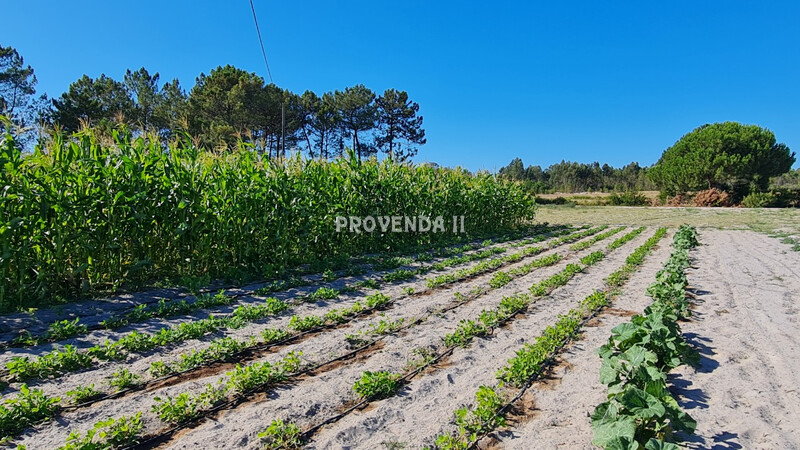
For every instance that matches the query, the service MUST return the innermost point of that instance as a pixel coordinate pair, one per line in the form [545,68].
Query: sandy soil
[426,404]
[316,349]
[746,393]
[555,412]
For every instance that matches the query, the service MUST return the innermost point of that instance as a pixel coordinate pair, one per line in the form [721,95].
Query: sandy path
[555,412]
[745,393]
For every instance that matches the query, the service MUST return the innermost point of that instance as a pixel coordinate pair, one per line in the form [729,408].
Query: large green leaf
[655,444]
[619,433]
[641,403]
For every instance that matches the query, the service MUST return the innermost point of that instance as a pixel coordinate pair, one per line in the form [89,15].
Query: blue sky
[582,81]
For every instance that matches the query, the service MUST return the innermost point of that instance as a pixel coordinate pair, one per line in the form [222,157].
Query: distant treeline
[578,177]
[225,107]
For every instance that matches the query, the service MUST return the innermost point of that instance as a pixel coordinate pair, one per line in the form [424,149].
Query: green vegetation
[589,242]
[324,293]
[30,406]
[736,158]
[632,262]
[280,435]
[629,198]
[621,241]
[377,385]
[185,407]
[83,394]
[471,423]
[640,411]
[107,434]
[204,203]
[486,266]
[569,176]
[305,323]
[124,379]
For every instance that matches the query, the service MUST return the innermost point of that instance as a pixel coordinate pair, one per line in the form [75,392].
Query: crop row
[619,242]
[588,243]
[529,363]
[381,384]
[492,264]
[69,359]
[640,411]
[65,329]
[223,349]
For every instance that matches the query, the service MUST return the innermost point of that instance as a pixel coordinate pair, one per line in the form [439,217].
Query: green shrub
[760,200]
[630,198]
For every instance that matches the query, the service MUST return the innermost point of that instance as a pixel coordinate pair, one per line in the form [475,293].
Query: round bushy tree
[729,156]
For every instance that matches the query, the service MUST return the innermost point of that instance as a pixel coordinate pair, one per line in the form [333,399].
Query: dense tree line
[223,108]
[578,177]
[729,156]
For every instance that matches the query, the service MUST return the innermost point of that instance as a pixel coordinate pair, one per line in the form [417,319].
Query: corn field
[80,216]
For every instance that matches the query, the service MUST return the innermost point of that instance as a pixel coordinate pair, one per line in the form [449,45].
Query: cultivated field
[391,354]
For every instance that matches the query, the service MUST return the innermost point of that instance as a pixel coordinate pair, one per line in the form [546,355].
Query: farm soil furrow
[554,412]
[92,312]
[320,347]
[745,393]
[324,395]
[140,363]
[394,290]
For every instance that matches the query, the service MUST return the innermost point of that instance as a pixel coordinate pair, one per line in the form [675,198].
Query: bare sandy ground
[744,395]
[555,412]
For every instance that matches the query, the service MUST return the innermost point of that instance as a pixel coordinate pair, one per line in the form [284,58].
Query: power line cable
[261,41]
[269,72]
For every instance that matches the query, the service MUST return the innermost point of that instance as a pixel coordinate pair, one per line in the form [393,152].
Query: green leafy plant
[500,279]
[324,293]
[399,275]
[640,411]
[466,330]
[179,409]
[589,242]
[369,284]
[305,323]
[106,434]
[83,394]
[281,435]
[377,385]
[124,379]
[592,258]
[30,406]
[64,329]
[377,300]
